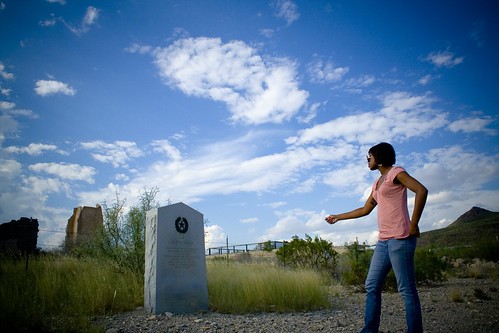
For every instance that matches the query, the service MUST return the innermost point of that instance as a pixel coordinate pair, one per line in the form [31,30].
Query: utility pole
[227,242]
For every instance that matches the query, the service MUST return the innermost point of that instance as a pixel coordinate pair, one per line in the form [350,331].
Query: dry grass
[456,296]
[241,288]
[63,294]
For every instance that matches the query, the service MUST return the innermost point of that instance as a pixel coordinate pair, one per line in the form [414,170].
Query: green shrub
[480,294]
[428,267]
[357,273]
[487,250]
[267,246]
[308,253]
[359,257]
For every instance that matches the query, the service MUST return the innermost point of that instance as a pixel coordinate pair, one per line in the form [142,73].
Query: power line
[57,231]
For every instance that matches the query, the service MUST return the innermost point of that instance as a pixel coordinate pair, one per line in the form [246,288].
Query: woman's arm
[419,200]
[359,212]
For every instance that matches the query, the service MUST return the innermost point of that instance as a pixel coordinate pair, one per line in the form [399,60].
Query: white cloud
[288,225]
[443,59]
[214,236]
[33,149]
[165,147]
[310,113]
[6,105]
[51,87]
[349,181]
[324,71]
[66,171]
[401,116]
[9,124]
[22,113]
[358,84]
[307,185]
[118,153]
[425,80]
[295,222]
[5,91]
[225,168]
[4,74]
[121,177]
[455,168]
[268,33]
[9,169]
[43,186]
[472,124]
[255,90]
[89,19]
[249,220]
[62,2]
[287,10]
[276,204]
[91,16]
[140,49]
[48,22]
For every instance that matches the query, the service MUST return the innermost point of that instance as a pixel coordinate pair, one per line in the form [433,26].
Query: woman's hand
[332,219]
[414,230]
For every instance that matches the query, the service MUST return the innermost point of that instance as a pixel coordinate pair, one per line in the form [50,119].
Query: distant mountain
[474,226]
[474,214]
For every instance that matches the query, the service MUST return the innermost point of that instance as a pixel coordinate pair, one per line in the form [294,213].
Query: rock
[440,315]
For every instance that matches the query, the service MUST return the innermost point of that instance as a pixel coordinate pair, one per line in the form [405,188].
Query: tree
[122,236]
[267,246]
[360,258]
[316,253]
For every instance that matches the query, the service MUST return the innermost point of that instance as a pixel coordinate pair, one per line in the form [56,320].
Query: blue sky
[258,114]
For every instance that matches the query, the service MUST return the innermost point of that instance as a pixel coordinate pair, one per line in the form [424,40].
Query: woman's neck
[384,169]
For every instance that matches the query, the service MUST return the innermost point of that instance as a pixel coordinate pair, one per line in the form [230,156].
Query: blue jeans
[399,255]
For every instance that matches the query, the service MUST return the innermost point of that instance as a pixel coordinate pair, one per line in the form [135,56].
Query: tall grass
[63,294]
[242,288]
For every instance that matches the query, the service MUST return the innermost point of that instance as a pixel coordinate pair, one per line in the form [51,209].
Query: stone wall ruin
[83,224]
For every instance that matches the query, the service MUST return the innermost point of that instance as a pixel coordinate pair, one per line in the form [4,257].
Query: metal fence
[228,249]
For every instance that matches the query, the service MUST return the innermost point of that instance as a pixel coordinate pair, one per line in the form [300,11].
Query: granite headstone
[175,265]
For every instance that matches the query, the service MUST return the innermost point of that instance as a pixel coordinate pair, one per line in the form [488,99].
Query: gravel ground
[476,311]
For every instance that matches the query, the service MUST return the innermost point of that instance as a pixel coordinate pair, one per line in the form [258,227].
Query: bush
[428,267]
[317,254]
[360,258]
[487,250]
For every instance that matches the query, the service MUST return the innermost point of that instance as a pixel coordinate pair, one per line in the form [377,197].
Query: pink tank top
[393,215]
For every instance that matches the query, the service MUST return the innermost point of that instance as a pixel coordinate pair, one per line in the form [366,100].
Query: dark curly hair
[383,153]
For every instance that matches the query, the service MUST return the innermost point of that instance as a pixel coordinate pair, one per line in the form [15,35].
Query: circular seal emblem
[181,225]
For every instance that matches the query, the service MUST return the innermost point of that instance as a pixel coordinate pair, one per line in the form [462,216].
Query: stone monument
[175,266]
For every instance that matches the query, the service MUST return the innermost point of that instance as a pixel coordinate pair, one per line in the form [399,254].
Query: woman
[397,236]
